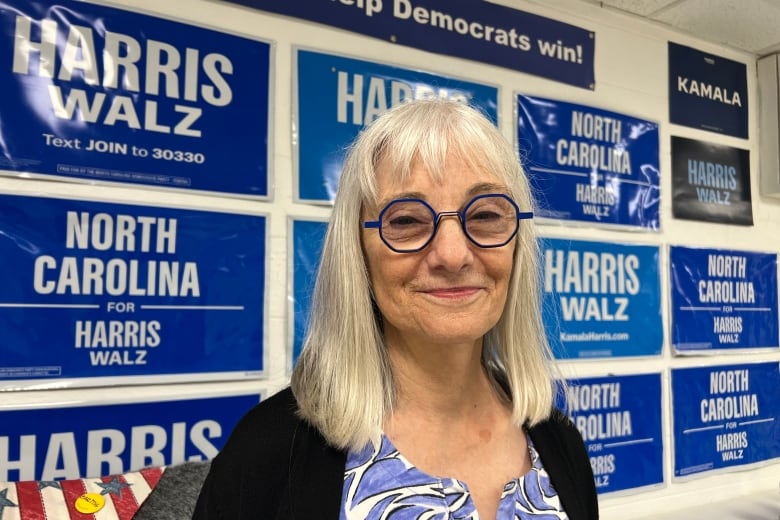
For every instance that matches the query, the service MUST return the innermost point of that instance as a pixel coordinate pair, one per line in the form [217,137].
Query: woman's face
[452,291]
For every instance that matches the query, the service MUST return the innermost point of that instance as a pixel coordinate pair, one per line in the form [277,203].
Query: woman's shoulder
[247,475]
[272,465]
[565,457]
[267,426]
[280,406]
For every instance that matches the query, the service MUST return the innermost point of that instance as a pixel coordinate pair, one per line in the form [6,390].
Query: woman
[425,387]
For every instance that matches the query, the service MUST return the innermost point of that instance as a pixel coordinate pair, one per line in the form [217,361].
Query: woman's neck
[448,381]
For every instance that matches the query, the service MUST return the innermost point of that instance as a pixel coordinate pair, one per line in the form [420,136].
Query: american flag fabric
[56,500]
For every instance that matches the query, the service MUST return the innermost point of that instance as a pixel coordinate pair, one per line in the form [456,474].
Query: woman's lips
[452,292]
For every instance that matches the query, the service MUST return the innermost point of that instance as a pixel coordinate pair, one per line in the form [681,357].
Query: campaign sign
[472,29]
[707,92]
[601,299]
[725,416]
[307,237]
[93,93]
[723,299]
[91,289]
[338,96]
[711,182]
[619,418]
[109,439]
[589,165]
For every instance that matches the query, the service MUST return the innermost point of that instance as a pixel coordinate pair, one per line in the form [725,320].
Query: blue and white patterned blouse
[382,485]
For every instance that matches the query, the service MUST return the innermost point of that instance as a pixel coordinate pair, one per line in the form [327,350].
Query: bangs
[433,137]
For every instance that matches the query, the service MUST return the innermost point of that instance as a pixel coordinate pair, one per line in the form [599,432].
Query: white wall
[631,76]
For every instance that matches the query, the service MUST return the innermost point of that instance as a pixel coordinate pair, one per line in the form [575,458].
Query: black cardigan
[277,466]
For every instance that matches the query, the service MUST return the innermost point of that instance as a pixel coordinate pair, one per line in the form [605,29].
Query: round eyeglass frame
[437,216]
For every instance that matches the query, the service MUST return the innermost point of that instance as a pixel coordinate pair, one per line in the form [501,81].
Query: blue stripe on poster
[337,96]
[110,439]
[725,416]
[619,418]
[723,299]
[128,290]
[590,165]
[601,299]
[94,93]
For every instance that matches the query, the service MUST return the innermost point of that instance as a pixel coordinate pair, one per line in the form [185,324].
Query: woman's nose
[450,247]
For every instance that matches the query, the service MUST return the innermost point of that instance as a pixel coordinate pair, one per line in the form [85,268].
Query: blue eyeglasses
[409,225]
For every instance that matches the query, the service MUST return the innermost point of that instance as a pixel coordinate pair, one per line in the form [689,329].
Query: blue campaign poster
[109,439]
[590,165]
[707,92]
[307,237]
[338,96]
[93,93]
[92,290]
[601,299]
[619,418]
[725,416]
[472,29]
[723,299]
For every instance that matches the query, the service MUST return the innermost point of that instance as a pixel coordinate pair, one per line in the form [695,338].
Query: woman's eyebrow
[403,195]
[487,187]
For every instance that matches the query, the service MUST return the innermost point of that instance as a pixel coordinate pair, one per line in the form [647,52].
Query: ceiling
[748,25]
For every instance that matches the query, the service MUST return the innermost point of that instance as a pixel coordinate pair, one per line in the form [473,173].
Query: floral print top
[380,484]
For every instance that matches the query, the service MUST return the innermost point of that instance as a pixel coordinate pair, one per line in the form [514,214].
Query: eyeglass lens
[489,221]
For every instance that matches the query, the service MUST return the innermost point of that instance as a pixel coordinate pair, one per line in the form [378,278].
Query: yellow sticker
[90,503]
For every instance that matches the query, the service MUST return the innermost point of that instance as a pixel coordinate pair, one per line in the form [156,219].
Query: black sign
[710,182]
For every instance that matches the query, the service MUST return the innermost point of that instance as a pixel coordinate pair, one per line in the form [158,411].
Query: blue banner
[707,92]
[723,299]
[338,96]
[110,439]
[307,237]
[93,93]
[590,165]
[472,29]
[725,416]
[601,299]
[619,418]
[128,290]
